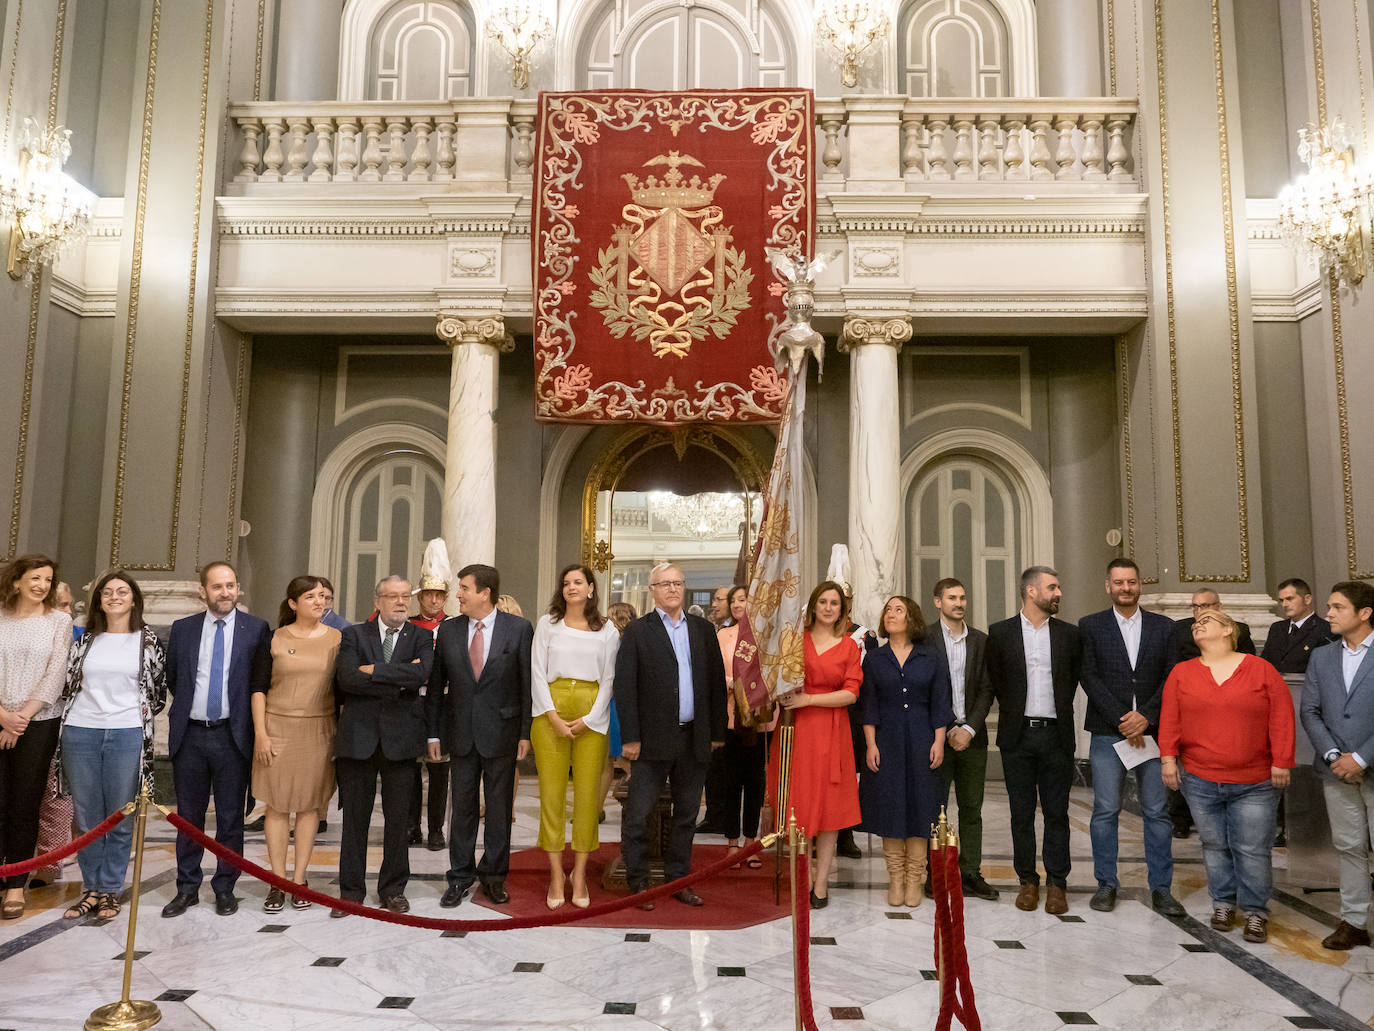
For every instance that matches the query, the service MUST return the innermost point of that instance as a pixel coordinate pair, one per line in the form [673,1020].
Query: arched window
[964,520]
[421,50]
[966,48]
[710,44]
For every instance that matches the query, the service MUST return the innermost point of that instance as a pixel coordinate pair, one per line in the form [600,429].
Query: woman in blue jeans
[1227,719]
[116,683]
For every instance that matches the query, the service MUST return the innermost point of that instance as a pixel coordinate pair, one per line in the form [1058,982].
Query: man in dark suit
[966,759]
[1034,661]
[381,666]
[1204,598]
[478,709]
[1291,639]
[1127,654]
[216,659]
[670,696]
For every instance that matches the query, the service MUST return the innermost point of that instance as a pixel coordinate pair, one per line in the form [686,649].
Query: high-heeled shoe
[583,900]
[554,902]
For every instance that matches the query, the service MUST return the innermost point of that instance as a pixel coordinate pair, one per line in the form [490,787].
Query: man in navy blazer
[1127,654]
[478,711]
[670,697]
[216,659]
[1292,638]
[1338,715]
[1034,661]
[381,667]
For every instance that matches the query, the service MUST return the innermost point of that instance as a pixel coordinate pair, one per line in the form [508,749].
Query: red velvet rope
[57,855]
[802,931]
[554,919]
[951,953]
[966,1010]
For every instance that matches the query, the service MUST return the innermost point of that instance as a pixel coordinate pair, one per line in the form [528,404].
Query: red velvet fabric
[654,301]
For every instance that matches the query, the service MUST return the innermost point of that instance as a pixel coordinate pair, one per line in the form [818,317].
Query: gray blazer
[1332,718]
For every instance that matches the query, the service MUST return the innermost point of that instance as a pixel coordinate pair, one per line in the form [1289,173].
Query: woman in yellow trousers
[572,668]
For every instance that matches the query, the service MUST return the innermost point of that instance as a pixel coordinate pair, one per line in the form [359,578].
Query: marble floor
[871,966]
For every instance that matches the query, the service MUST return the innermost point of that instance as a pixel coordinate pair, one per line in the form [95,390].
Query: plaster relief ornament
[670,275]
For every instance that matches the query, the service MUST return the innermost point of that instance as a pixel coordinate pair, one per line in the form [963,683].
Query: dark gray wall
[85,450]
[519,466]
[827,445]
[1266,146]
[1286,486]
[100,93]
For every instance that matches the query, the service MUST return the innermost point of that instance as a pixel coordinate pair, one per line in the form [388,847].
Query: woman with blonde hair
[572,674]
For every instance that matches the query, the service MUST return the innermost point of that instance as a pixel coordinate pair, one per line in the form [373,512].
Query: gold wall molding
[135,287]
[1111,46]
[1185,575]
[240,379]
[257,53]
[14,67]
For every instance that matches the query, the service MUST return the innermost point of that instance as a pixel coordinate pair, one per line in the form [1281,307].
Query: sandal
[299,903]
[109,906]
[84,906]
[275,901]
[755,862]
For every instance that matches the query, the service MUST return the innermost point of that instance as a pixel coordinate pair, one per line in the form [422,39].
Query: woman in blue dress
[905,706]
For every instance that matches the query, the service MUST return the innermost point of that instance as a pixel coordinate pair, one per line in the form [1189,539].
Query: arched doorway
[688,495]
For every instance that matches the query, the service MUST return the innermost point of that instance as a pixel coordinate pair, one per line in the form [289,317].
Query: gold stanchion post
[130,1014]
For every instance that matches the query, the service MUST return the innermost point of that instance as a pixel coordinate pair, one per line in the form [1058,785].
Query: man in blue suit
[1127,654]
[1338,715]
[216,659]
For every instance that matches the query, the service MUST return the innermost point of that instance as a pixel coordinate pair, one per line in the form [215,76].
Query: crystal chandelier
[46,209]
[851,27]
[1325,213]
[519,26]
[703,516]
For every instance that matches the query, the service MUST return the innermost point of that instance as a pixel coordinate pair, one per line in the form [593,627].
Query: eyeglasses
[116,592]
[676,584]
[400,596]
[1206,605]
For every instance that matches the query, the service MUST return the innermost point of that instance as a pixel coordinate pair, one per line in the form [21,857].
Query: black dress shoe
[1181,831]
[496,893]
[337,914]
[455,895]
[845,846]
[978,888]
[225,903]
[396,904]
[436,841]
[1104,899]
[183,901]
[689,898]
[1164,903]
[253,826]
[416,838]
[819,903]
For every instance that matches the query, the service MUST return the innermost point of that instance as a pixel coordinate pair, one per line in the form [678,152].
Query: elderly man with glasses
[670,694]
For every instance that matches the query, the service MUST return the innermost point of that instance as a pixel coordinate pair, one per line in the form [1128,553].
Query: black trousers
[717,790]
[438,795]
[357,793]
[744,769]
[23,777]
[685,774]
[209,762]
[1039,766]
[496,776]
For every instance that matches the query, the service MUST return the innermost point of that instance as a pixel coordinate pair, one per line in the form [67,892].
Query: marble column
[875,461]
[308,50]
[1069,48]
[469,512]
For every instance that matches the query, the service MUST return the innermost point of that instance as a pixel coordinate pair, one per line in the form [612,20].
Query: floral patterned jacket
[152,683]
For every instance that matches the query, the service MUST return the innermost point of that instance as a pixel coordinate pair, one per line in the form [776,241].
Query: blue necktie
[213,709]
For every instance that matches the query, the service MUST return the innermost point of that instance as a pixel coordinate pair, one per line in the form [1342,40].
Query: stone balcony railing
[865,143]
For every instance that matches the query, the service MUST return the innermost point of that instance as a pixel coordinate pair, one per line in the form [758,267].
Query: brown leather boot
[894,854]
[915,871]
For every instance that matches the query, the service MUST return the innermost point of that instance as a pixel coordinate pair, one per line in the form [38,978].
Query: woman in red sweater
[1226,739]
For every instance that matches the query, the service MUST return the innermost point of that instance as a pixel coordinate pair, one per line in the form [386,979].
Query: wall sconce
[1325,212]
[851,27]
[519,26]
[46,209]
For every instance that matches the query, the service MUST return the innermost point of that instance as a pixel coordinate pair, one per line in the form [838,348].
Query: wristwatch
[1332,756]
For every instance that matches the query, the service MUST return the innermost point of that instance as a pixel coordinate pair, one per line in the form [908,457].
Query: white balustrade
[965,142]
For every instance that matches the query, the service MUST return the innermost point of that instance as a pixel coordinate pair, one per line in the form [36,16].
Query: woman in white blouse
[572,668]
[34,640]
[116,684]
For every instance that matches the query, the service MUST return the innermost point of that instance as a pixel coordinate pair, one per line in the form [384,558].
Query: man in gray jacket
[1338,715]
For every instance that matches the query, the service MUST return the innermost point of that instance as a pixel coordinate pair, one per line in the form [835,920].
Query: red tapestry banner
[653,297]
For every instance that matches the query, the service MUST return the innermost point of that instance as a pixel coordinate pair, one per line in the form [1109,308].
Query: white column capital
[863,330]
[455,329]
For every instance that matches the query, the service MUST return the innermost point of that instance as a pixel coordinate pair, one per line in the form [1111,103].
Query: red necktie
[476,652]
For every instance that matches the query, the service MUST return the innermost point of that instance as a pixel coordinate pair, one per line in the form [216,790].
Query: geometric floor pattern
[870,967]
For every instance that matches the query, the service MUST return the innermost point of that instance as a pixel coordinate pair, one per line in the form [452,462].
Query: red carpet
[735,899]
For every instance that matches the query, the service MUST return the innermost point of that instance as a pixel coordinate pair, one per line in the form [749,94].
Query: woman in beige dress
[293,761]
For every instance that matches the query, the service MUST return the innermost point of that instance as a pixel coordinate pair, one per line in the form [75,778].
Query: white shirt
[1039,672]
[487,622]
[1130,632]
[562,651]
[207,647]
[956,650]
[1351,658]
[109,698]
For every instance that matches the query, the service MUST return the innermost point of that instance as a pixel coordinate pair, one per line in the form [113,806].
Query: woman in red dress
[824,786]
